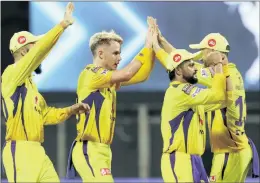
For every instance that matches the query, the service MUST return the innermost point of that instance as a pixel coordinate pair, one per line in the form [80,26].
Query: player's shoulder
[93,69]
[6,77]
[7,74]
[8,70]
[182,88]
[233,68]
[187,88]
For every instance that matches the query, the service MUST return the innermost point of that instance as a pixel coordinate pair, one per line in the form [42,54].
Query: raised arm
[28,63]
[144,72]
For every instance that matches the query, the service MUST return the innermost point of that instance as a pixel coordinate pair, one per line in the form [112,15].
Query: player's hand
[148,41]
[153,39]
[153,21]
[68,19]
[79,108]
[214,58]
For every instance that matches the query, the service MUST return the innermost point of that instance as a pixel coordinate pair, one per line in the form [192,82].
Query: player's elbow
[121,76]
[144,78]
[127,76]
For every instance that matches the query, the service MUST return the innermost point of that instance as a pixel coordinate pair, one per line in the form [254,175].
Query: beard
[191,79]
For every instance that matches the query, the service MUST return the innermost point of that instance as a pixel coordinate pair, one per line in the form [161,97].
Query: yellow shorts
[26,161]
[231,167]
[182,167]
[92,161]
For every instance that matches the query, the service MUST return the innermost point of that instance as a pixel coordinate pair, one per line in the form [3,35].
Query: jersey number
[239,103]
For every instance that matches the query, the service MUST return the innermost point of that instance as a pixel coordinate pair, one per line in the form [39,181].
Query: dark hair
[228,49]
[172,75]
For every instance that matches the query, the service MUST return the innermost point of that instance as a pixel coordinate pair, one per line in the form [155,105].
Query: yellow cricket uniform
[184,131]
[229,143]
[26,112]
[90,155]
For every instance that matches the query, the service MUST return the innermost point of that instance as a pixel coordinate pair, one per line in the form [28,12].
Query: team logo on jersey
[177,58]
[21,40]
[212,42]
[187,88]
[212,178]
[105,171]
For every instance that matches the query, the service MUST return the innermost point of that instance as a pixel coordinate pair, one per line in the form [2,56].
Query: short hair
[172,75]
[103,37]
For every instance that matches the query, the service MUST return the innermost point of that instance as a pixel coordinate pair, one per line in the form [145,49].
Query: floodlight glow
[70,40]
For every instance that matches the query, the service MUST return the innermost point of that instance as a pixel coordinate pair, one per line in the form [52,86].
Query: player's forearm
[228,78]
[229,89]
[55,116]
[219,83]
[166,45]
[132,68]
[144,72]
[161,55]
[37,54]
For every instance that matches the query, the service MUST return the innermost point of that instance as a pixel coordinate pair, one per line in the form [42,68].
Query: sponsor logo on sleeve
[196,92]
[187,88]
[105,171]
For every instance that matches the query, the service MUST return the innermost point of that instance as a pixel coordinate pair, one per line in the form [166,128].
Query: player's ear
[100,53]
[178,71]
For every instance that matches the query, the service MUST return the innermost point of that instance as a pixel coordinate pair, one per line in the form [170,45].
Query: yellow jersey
[24,108]
[183,119]
[94,88]
[226,126]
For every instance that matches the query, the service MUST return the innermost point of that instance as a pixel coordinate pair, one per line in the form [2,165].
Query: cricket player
[26,111]
[183,120]
[233,150]
[90,154]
